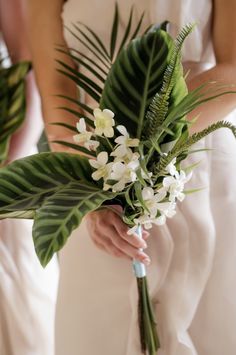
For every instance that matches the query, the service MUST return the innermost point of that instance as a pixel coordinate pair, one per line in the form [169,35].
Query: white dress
[27,291]
[191,277]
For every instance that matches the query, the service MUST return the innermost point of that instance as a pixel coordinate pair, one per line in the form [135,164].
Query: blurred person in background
[27,291]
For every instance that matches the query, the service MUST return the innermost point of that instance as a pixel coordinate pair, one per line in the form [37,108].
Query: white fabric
[191,277]
[27,291]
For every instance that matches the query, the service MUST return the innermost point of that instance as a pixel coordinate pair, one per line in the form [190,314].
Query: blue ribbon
[138,267]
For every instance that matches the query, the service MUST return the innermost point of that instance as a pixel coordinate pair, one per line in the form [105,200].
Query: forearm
[44,35]
[213,111]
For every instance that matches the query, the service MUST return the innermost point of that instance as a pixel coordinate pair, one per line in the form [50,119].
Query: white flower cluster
[103,122]
[124,165]
[160,203]
[125,162]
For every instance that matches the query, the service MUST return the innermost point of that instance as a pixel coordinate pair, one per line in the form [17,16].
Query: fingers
[107,246]
[109,233]
[122,230]
[128,249]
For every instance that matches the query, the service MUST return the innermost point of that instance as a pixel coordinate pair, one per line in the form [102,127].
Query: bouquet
[12,102]
[133,143]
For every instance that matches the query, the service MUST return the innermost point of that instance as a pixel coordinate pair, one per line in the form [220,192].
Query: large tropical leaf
[26,183]
[61,213]
[12,103]
[135,77]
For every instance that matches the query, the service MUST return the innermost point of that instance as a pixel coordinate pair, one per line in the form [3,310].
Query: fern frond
[182,147]
[159,106]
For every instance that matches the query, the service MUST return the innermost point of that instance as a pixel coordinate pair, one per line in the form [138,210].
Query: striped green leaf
[135,77]
[26,183]
[12,103]
[61,213]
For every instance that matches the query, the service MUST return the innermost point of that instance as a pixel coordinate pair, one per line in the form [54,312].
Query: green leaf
[61,213]
[77,114]
[182,147]
[90,60]
[90,49]
[12,103]
[77,147]
[127,31]
[83,63]
[135,77]
[138,192]
[172,92]
[83,84]
[114,31]
[4,148]
[29,214]
[25,183]
[94,45]
[95,36]
[78,103]
[66,125]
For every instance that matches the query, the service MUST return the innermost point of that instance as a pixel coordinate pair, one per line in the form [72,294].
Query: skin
[12,21]
[106,229]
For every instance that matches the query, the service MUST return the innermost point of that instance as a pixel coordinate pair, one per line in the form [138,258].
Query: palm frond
[83,63]
[114,32]
[94,63]
[77,114]
[75,147]
[92,43]
[79,103]
[97,39]
[137,29]
[127,31]
[81,80]
[90,49]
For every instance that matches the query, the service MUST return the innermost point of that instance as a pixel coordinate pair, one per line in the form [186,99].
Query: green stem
[147,325]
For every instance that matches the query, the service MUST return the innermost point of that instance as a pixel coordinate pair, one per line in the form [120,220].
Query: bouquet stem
[147,324]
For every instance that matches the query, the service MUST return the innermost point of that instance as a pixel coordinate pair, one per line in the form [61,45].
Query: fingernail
[146,261]
[146,234]
[143,245]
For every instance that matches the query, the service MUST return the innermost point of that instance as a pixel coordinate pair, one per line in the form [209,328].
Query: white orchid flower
[175,185]
[125,138]
[131,156]
[84,136]
[124,143]
[104,122]
[144,220]
[167,209]
[171,168]
[152,200]
[123,173]
[102,168]
[121,151]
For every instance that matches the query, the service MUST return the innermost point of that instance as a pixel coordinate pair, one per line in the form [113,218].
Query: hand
[109,233]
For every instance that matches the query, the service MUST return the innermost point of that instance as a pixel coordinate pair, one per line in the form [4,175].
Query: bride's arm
[12,26]
[223,32]
[45,28]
